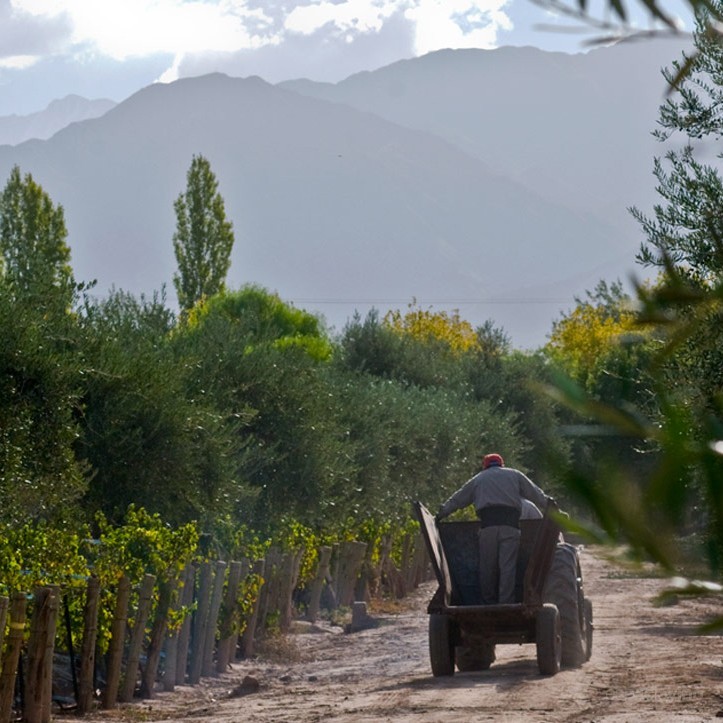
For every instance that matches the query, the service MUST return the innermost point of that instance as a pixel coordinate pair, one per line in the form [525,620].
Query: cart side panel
[431,537]
[543,550]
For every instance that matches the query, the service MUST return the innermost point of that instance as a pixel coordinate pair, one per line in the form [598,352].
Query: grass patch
[278,648]
[386,606]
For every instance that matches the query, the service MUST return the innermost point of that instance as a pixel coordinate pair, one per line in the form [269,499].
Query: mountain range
[495,182]
[44,124]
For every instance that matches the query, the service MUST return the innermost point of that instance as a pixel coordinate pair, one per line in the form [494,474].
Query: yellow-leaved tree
[426,325]
[581,340]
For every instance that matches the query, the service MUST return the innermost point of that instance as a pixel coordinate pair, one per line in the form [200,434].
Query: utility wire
[422,302]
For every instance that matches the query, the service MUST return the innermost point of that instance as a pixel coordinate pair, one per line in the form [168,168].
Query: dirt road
[647,665]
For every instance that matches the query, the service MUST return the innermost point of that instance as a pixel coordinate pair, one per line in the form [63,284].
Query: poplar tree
[204,237]
[35,254]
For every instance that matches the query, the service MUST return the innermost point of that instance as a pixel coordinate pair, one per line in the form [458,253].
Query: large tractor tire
[588,628]
[474,658]
[549,640]
[563,589]
[441,645]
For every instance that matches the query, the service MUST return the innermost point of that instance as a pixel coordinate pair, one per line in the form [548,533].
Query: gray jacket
[495,486]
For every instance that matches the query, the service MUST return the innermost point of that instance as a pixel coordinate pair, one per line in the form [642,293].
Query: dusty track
[647,665]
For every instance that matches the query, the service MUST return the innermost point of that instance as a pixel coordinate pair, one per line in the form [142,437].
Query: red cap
[492,460]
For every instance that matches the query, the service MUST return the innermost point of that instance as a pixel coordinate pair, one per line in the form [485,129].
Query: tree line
[241,409]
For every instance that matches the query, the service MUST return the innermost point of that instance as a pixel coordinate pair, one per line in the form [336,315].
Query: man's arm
[461,498]
[530,491]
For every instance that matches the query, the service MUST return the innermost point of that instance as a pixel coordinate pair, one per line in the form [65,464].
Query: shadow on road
[506,675]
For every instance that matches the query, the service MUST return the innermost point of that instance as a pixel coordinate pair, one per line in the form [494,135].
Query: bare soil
[648,664]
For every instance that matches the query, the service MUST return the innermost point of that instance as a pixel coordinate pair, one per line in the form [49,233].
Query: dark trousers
[498,547]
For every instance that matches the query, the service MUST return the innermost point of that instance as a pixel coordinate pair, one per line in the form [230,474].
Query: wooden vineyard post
[276,593]
[322,573]
[170,643]
[18,609]
[335,557]
[351,557]
[406,563]
[200,620]
[235,636]
[184,634]
[229,618]
[394,577]
[158,632]
[32,708]
[248,636]
[385,551]
[87,654]
[366,580]
[268,591]
[214,608]
[53,610]
[38,689]
[117,639]
[289,578]
[169,673]
[136,644]
[4,602]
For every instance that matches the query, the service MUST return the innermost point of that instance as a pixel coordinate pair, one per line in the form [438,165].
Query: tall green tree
[204,237]
[33,241]
[40,474]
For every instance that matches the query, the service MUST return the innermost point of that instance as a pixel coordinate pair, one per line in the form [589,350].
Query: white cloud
[121,29]
[457,23]
[437,23]
[352,15]
[216,29]
[173,73]
[18,62]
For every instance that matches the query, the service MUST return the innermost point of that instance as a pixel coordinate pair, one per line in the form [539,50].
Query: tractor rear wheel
[441,645]
[549,640]
[563,589]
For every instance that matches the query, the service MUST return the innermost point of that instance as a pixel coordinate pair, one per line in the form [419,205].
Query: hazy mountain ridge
[564,125]
[15,129]
[336,203]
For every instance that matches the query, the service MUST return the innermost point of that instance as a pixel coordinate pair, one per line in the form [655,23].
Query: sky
[112,48]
